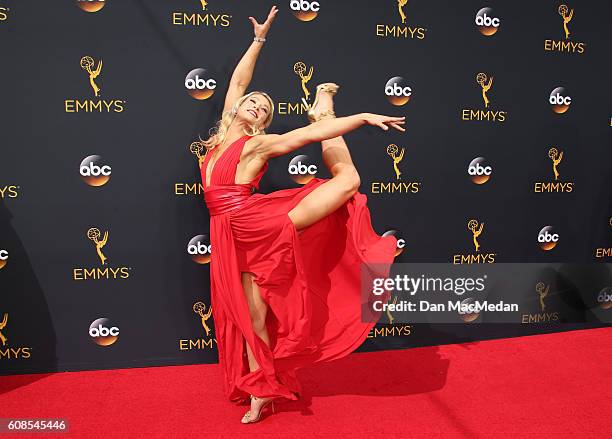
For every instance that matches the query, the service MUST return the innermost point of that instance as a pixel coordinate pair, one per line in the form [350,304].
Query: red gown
[310,280]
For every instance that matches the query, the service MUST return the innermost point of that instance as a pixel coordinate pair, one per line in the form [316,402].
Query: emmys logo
[603,252]
[90,5]
[600,252]
[87,63]
[199,84]
[564,45]
[544,316]
[103,332]
[203,18]
[99,241]
[476,229]
[9,191]
[199,249]
[3,338]
[397,92]
[391,187]
[304,10]
[302,169]
[400,31]
[567,16]
[401,242]
[485,82]
[388,311]
[604,298]
[93,172]
[299,68]
[207,342]
[390,331]
[560,100]
[94,235]
[479,172]
[7,352]
[4,13]
[4,255]
[486,22]
[547,240]
[466,310]
[305,75]
[93,71]
[539,187]
[198,149]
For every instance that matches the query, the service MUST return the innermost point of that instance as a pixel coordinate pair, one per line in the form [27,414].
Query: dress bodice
[224,169]
[224,195]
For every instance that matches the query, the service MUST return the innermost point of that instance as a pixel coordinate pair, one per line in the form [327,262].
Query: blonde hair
[219,132]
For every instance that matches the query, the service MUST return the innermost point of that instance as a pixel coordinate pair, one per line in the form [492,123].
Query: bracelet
[259,40]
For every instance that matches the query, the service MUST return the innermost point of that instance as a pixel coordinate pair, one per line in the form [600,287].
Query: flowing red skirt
[311,282]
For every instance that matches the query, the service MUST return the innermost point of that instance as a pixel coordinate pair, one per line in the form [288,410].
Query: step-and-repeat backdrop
[104,247]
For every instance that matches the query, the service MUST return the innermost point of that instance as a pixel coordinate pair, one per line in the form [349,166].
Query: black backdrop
[148,49]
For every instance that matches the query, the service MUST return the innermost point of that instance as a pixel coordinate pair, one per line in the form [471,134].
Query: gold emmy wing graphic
[300,68]
[3,339]
[481,79]
[87,63]
[204,4]
[392,152]
[556,158]
[199,308]
[94,235]
[400,8]
[476,232]
[542,292]
[567,15]
[196,148]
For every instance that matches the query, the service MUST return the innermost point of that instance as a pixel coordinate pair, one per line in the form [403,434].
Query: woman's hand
[261,30]
[382,121]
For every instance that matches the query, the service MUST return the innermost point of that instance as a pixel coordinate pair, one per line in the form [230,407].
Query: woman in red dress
[285,267]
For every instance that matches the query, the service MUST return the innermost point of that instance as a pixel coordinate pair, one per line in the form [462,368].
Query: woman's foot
[323,106]
[257,407]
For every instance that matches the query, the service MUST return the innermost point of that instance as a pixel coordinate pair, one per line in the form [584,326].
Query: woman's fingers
[272,13]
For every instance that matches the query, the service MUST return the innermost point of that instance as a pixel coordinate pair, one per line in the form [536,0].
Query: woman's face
[254,110]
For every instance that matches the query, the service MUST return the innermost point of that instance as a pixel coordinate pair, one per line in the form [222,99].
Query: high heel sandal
[247,415]
[328,87]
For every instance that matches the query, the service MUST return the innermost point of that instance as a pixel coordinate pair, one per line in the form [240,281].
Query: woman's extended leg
[258,309]
[334,193]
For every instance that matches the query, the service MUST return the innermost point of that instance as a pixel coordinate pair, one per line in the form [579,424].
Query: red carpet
[543,386]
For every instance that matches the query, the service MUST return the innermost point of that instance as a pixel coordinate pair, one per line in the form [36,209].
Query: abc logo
[199,248]
[199,84]
[401,243]
[3,258]
[102,332]
[90,5]
[397,92]
[302,169]
[304,10]
[605,298]
[547,239]
[560,100]
[479,173]
[93,172]
[487,24]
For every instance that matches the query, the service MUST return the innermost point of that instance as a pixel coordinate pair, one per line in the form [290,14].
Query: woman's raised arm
[273,145]
[243,73]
